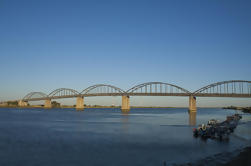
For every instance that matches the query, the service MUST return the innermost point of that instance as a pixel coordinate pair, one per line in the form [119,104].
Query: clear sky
[46,44]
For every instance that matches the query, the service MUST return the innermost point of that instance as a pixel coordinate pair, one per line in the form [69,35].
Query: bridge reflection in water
[124,121]
[192,118]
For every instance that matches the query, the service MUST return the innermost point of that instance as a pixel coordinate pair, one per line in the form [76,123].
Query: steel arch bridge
[232,88]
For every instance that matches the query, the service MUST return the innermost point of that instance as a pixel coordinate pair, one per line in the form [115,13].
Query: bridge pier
[192,104]
[80,103]
[22,103]
[47,103]
[125,104]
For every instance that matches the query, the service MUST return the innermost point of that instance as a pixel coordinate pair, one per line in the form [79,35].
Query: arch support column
[125,104]
[22,103]
[192,104]
[47,103]
[80,103]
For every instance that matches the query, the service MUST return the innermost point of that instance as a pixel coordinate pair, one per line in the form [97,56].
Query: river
[94,137]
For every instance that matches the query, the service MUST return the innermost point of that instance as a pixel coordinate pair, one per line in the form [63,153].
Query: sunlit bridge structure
[233,88]
[102,90]
[157,89]
[33,95]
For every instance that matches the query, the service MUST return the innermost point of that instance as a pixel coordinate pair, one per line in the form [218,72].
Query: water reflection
[124,121]
[141,137]
[192,118]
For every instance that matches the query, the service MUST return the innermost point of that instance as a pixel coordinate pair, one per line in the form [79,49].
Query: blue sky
[45,45]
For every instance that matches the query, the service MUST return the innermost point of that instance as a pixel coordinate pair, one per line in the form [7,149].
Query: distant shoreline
[242,158]
[248,109]
[243,109]
[65,106]
[38,106]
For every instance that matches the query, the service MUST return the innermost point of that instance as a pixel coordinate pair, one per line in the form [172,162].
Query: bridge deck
[144,94]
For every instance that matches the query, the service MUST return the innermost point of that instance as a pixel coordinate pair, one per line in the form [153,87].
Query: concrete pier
[125,104]
[80,103]
[47,103]
[22,103]
[192,104]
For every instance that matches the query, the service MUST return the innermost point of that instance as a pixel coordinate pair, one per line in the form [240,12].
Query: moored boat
[217,130]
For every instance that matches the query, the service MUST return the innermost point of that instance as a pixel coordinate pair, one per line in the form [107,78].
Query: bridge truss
[232,88]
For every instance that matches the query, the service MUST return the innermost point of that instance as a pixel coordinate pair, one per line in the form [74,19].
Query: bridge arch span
[32,94]
[63,92]
[157,87]
[226,87]
[102,88]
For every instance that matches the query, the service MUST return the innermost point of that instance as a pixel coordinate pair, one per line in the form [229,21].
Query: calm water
[106,137]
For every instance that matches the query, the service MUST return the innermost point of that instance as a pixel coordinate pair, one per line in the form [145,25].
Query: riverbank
[239,157]
[243,159]
[243,109]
